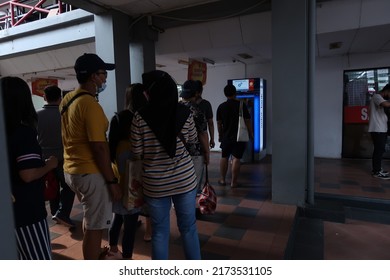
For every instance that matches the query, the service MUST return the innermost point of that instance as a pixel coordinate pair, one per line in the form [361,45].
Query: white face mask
[101,88]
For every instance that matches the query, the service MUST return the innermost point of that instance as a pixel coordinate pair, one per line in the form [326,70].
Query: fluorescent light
[208,60]
[182,61]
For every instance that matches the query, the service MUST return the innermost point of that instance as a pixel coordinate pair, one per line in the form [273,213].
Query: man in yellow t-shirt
[87,164]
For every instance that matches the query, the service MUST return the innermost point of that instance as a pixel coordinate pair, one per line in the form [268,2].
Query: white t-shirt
[378,117]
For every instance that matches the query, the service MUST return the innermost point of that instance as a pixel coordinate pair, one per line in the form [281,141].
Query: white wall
[66,85]
[328,98]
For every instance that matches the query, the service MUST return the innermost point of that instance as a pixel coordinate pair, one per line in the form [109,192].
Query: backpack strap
[66,106]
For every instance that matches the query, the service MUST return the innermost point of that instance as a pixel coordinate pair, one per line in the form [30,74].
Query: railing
[16,12]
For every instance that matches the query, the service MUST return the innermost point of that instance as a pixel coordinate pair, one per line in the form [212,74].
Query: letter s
[364,114]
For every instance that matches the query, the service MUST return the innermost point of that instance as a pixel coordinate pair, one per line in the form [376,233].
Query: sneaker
[64,221]
[381,175]
[384,172]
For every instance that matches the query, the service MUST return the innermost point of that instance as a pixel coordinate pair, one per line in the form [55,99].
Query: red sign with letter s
[356,114]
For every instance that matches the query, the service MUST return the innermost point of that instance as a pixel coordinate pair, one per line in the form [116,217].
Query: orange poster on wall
[38,85]
[197,71]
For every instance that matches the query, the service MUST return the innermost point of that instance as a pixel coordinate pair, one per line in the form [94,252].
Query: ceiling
[349,22]
[178,20]
[350,26]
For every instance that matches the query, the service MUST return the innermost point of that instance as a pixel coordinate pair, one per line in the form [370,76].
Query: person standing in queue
[207,109]
[27,168]
[87,164]
[227,119]
[377,127]
[169,174]
[49,138]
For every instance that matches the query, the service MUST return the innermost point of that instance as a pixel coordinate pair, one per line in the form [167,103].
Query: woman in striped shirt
[157,135]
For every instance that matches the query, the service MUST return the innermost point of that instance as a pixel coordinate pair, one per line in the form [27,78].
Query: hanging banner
[197,71]
[38,85]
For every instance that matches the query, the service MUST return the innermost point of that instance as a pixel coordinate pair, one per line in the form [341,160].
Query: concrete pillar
[112,45]
[142,50]
[293,32]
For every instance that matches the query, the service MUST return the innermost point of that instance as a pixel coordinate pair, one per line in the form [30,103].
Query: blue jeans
[186,221]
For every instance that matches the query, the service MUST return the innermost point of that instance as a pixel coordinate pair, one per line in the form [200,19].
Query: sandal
[106,254]
[221,183]
[113,255]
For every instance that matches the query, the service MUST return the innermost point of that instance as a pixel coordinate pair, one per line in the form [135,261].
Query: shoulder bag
[242,132]
[52,186]
[208,197]
[133,193]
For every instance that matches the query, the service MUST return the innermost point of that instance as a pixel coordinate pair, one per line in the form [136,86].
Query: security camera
[156,28]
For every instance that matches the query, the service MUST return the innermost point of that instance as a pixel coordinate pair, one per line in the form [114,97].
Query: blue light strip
[256,123]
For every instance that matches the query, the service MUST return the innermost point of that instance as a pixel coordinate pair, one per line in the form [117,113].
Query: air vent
[335,45]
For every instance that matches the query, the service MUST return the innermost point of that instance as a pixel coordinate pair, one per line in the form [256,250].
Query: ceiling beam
[87,5]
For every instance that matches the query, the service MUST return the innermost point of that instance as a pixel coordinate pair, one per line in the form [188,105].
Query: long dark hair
[119,130]
[164,115]
[18,107]
[135,98]
[121,122]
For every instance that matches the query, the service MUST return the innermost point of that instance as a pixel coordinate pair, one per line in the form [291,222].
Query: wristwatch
[113,181]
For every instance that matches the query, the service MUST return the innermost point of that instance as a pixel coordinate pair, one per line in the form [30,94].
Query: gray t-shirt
[49,131]
[378,117]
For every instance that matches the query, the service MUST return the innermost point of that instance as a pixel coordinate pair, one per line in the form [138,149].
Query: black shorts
[231,147]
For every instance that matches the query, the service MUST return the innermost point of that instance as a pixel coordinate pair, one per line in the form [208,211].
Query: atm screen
[241,85]
[244,86]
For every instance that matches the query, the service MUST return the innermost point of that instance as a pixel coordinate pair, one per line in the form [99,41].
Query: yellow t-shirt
[82,123]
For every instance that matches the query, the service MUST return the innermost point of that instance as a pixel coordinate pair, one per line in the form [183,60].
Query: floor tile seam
[265,252]
[64,250]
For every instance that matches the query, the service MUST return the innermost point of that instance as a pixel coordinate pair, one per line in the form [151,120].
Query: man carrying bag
[228,121]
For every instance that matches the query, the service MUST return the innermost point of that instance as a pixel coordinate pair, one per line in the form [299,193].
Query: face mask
[101,88]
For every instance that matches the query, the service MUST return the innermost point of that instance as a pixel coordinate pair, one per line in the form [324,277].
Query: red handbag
[208,197]
[51,185]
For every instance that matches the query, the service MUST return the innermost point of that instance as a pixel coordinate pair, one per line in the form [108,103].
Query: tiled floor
[247,225]
[365,233]
[350,177]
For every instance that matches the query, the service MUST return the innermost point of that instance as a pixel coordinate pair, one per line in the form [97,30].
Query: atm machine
[253,92]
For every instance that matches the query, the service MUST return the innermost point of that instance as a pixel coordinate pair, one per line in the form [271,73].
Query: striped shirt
[163,176]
